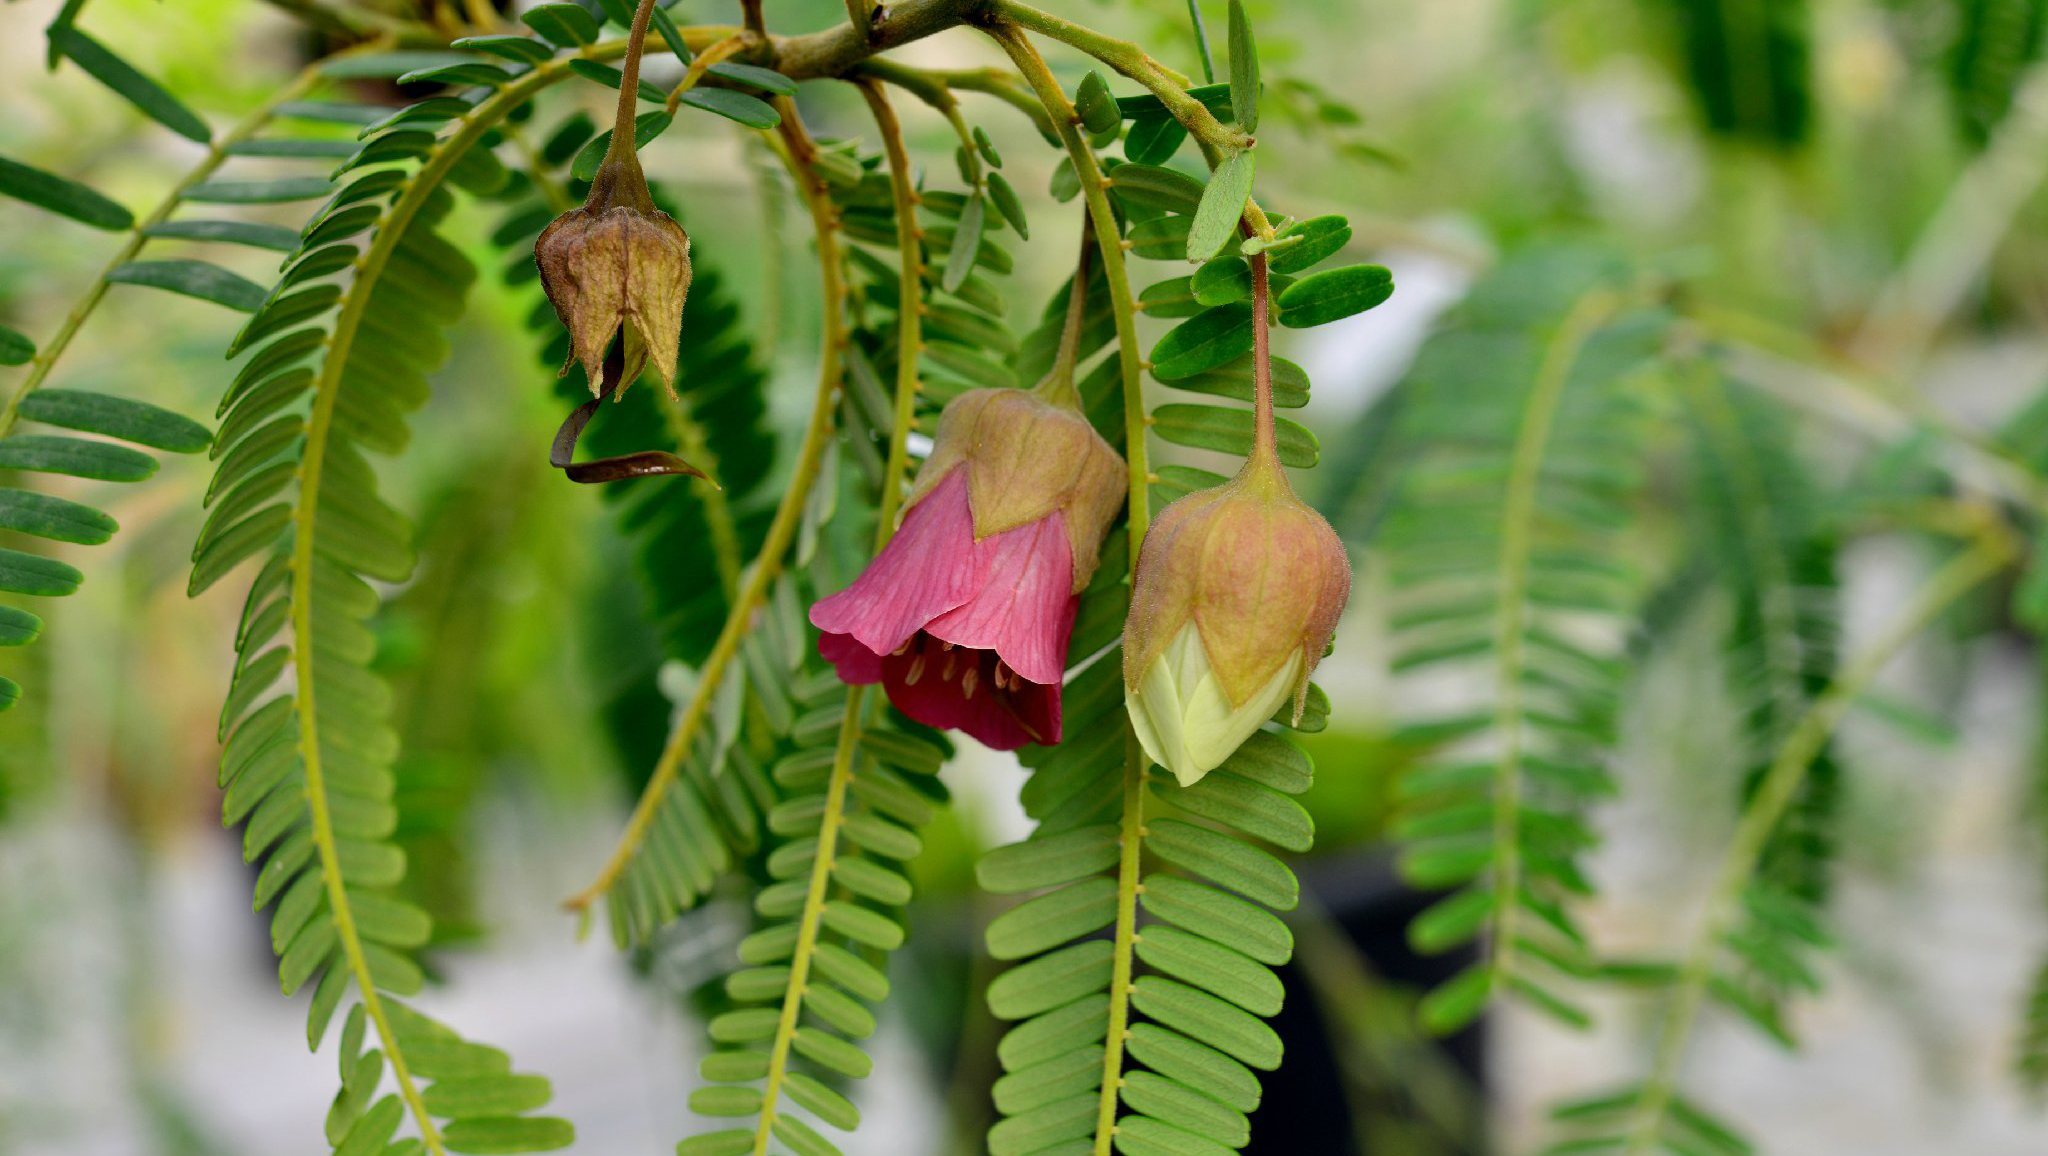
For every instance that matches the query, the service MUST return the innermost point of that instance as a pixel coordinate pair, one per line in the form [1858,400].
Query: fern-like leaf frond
[339,354]
[1510,553]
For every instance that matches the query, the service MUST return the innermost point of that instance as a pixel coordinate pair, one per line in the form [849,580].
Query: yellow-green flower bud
[1236,592]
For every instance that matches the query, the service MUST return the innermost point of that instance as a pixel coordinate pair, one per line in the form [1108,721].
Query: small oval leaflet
[1173,297]
[1006,202]
[133,421]
[117,74]
[966,245]
[1153,187]
[1153,140]
[735,106]
[1222,206]
[62,196]
[1244,70]
[15,348]
[1229,431]
[201,279]
[23,573]
[523,49]
[1319,237]
[75,456]
[251,233]
[568,25]
[1211,338]
[1221,281]
[1094,104]
[1334,294]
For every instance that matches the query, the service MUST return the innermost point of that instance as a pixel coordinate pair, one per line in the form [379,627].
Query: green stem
[1058,384]
[767,562]
[46,357]
[935,87]
[1130,861]
[801,152]
[1265,455]
[1202,41]
[1110,244]
[1132,61]
[1518,519]
[909,305]
[629,84]
[1989,554]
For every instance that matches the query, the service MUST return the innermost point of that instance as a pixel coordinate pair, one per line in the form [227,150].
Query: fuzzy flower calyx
[1236,593]
[618,262]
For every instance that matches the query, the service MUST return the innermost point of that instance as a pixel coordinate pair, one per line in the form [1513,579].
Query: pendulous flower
[617,262]
[1235,595]
[964,616]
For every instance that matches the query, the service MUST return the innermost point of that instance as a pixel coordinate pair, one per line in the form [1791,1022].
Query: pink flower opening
[962,634]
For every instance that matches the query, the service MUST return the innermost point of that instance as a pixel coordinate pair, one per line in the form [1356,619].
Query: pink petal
[1025,610]
[856,664]
[955,689]
[931,566]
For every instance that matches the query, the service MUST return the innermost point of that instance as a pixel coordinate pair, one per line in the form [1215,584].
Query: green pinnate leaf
[1221,281]
[1153,140]
[520,49]
[1200,1015]
[1196,1065]
[252,233]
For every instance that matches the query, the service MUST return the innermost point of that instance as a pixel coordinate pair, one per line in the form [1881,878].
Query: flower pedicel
[1236,592]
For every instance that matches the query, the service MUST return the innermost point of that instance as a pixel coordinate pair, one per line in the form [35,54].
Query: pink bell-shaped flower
[964,616]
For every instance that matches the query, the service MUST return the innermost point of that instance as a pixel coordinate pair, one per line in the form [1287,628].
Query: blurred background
[1847,191]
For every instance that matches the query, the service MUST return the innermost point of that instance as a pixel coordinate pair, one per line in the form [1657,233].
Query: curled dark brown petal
[644,464]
